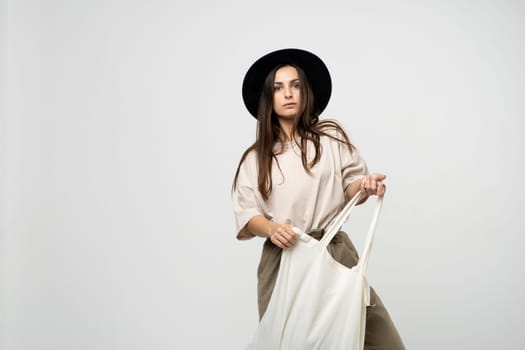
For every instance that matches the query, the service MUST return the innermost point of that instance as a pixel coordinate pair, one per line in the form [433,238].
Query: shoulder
[333,129]
[248,159]
[250,155]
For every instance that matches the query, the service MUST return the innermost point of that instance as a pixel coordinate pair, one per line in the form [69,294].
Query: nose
[287,92]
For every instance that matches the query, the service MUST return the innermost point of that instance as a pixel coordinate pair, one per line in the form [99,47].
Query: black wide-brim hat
[314,68]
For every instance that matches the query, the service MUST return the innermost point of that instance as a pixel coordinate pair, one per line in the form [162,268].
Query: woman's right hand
[282,235]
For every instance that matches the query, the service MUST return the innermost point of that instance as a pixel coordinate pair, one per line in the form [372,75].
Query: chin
[287,115]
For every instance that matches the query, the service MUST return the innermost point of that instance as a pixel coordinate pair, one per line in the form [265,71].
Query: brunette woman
[299,172]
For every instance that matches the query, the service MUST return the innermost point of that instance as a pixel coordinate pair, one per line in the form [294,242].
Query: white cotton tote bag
[318,303]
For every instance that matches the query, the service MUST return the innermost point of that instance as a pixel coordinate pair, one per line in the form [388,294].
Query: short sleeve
[353,166]
[246,198]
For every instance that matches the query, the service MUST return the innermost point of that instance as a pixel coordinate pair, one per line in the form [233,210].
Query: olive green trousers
[380,331]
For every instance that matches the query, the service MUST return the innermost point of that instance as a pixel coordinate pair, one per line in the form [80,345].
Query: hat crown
[314,68]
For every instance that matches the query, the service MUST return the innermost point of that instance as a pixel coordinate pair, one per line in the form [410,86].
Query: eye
[277,87]
[297,86]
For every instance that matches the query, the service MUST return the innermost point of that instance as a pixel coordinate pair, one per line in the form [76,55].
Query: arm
[282,236]
[369,185]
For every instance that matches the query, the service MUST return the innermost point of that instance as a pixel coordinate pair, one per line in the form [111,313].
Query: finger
[292,238]
[373,186]
[281,242]
[363,184]
[380,189]
[378,176]
[368,185]
[292,235]
[285,237]
[276,241]
[292,242]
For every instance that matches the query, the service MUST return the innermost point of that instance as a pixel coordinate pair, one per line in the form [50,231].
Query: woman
[299,172]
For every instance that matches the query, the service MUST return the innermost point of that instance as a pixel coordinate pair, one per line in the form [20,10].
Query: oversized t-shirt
[307,201]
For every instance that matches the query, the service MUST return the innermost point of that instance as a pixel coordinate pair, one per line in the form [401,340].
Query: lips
[289,105]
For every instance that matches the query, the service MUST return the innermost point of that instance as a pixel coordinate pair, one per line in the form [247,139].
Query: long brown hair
[306,125]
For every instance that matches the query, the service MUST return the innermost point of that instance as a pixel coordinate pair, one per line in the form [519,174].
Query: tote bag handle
[342,217]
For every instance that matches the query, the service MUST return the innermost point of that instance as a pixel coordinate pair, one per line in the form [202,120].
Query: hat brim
[314,68]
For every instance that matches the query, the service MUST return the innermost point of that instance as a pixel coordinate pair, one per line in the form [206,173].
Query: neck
[286,129]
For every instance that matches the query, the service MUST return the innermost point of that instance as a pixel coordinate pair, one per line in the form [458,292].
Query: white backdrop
[3,179]
[124,128]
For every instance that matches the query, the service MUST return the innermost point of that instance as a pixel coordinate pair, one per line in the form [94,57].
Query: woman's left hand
[373,185]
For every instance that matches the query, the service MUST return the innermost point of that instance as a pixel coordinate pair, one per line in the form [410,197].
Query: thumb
[377,176]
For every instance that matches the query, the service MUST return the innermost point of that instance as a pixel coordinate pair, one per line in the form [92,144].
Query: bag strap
[336,224]
[363,261]
[339,220]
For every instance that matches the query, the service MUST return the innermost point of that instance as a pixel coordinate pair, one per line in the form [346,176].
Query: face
[286,92]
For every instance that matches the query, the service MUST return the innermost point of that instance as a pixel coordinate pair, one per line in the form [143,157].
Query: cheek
[276,101]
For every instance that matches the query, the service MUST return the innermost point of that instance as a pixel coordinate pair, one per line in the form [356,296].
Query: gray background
[124,128]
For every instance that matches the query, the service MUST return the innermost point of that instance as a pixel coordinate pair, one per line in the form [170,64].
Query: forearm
[352,190]
[260,226]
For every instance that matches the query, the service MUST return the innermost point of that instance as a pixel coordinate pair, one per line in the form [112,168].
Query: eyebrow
[291,81]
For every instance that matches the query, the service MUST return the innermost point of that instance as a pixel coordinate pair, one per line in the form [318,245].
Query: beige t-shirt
[297,198]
